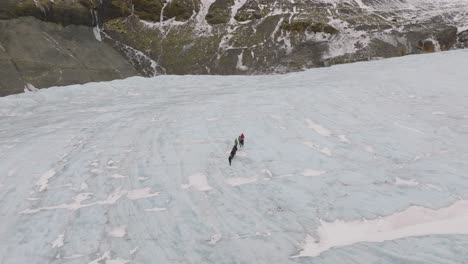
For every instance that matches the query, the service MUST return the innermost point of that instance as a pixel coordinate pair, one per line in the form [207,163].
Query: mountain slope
[136,170]
[212,36]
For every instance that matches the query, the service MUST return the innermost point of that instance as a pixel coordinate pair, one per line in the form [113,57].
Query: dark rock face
[47,54]
[463,39]
[181,10]
[219,12]
[249,11]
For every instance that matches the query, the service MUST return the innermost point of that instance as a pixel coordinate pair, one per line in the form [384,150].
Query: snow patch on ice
[118,176]
[74,256]
[403,182]
[412,222]
[44,179]
[323,150]
[318,128]
[57,243]
[156,209]
[133,251]
[119,231]
[408,128]
[343,138]
[108,260]
[215,239]
[141,193]
[236,181]
[267,172]
[199,182]
[111,199]
[84,186]
[369,149]
[312,173]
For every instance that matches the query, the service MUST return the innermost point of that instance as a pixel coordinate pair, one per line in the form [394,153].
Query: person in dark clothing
[241,140]
[233,153]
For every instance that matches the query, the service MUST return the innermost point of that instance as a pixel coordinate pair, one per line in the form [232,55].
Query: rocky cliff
[226,36]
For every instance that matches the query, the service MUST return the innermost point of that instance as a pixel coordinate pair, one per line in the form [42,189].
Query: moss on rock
[249,11]
[148,9]
[303,26]
[181,10]
[219,12]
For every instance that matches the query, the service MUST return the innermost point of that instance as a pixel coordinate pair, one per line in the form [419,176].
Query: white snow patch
[83,186]
[343,138]
[11,172]
[318,128]
[141,193]
[236,181]
[33,199]
[347,40]
[413,222]
[111,199]
[133,251]
[312,173]
[74,256]
[143,178]
[240,66]
[119,231]
[408,128]
[96,171]
[118,176]
[267,172]
[29,88]
[215,239]
[57,243]
[438,113]
[369,149]
[323,150]
[117,261]
[97,33]
[44,179]
[108,260]
[156,209]
[403,182]
[199,182]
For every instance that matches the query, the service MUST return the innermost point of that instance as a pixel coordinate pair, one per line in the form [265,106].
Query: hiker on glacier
[239,141]
[233,153]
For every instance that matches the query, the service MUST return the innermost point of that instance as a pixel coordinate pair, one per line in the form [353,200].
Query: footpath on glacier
[361,162]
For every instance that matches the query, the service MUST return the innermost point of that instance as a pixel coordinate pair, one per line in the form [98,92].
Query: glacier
[357,163]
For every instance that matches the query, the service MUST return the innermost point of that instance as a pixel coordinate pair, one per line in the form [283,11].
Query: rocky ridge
[252,36]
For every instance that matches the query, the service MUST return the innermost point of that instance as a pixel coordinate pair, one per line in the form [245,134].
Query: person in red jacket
[241,140]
